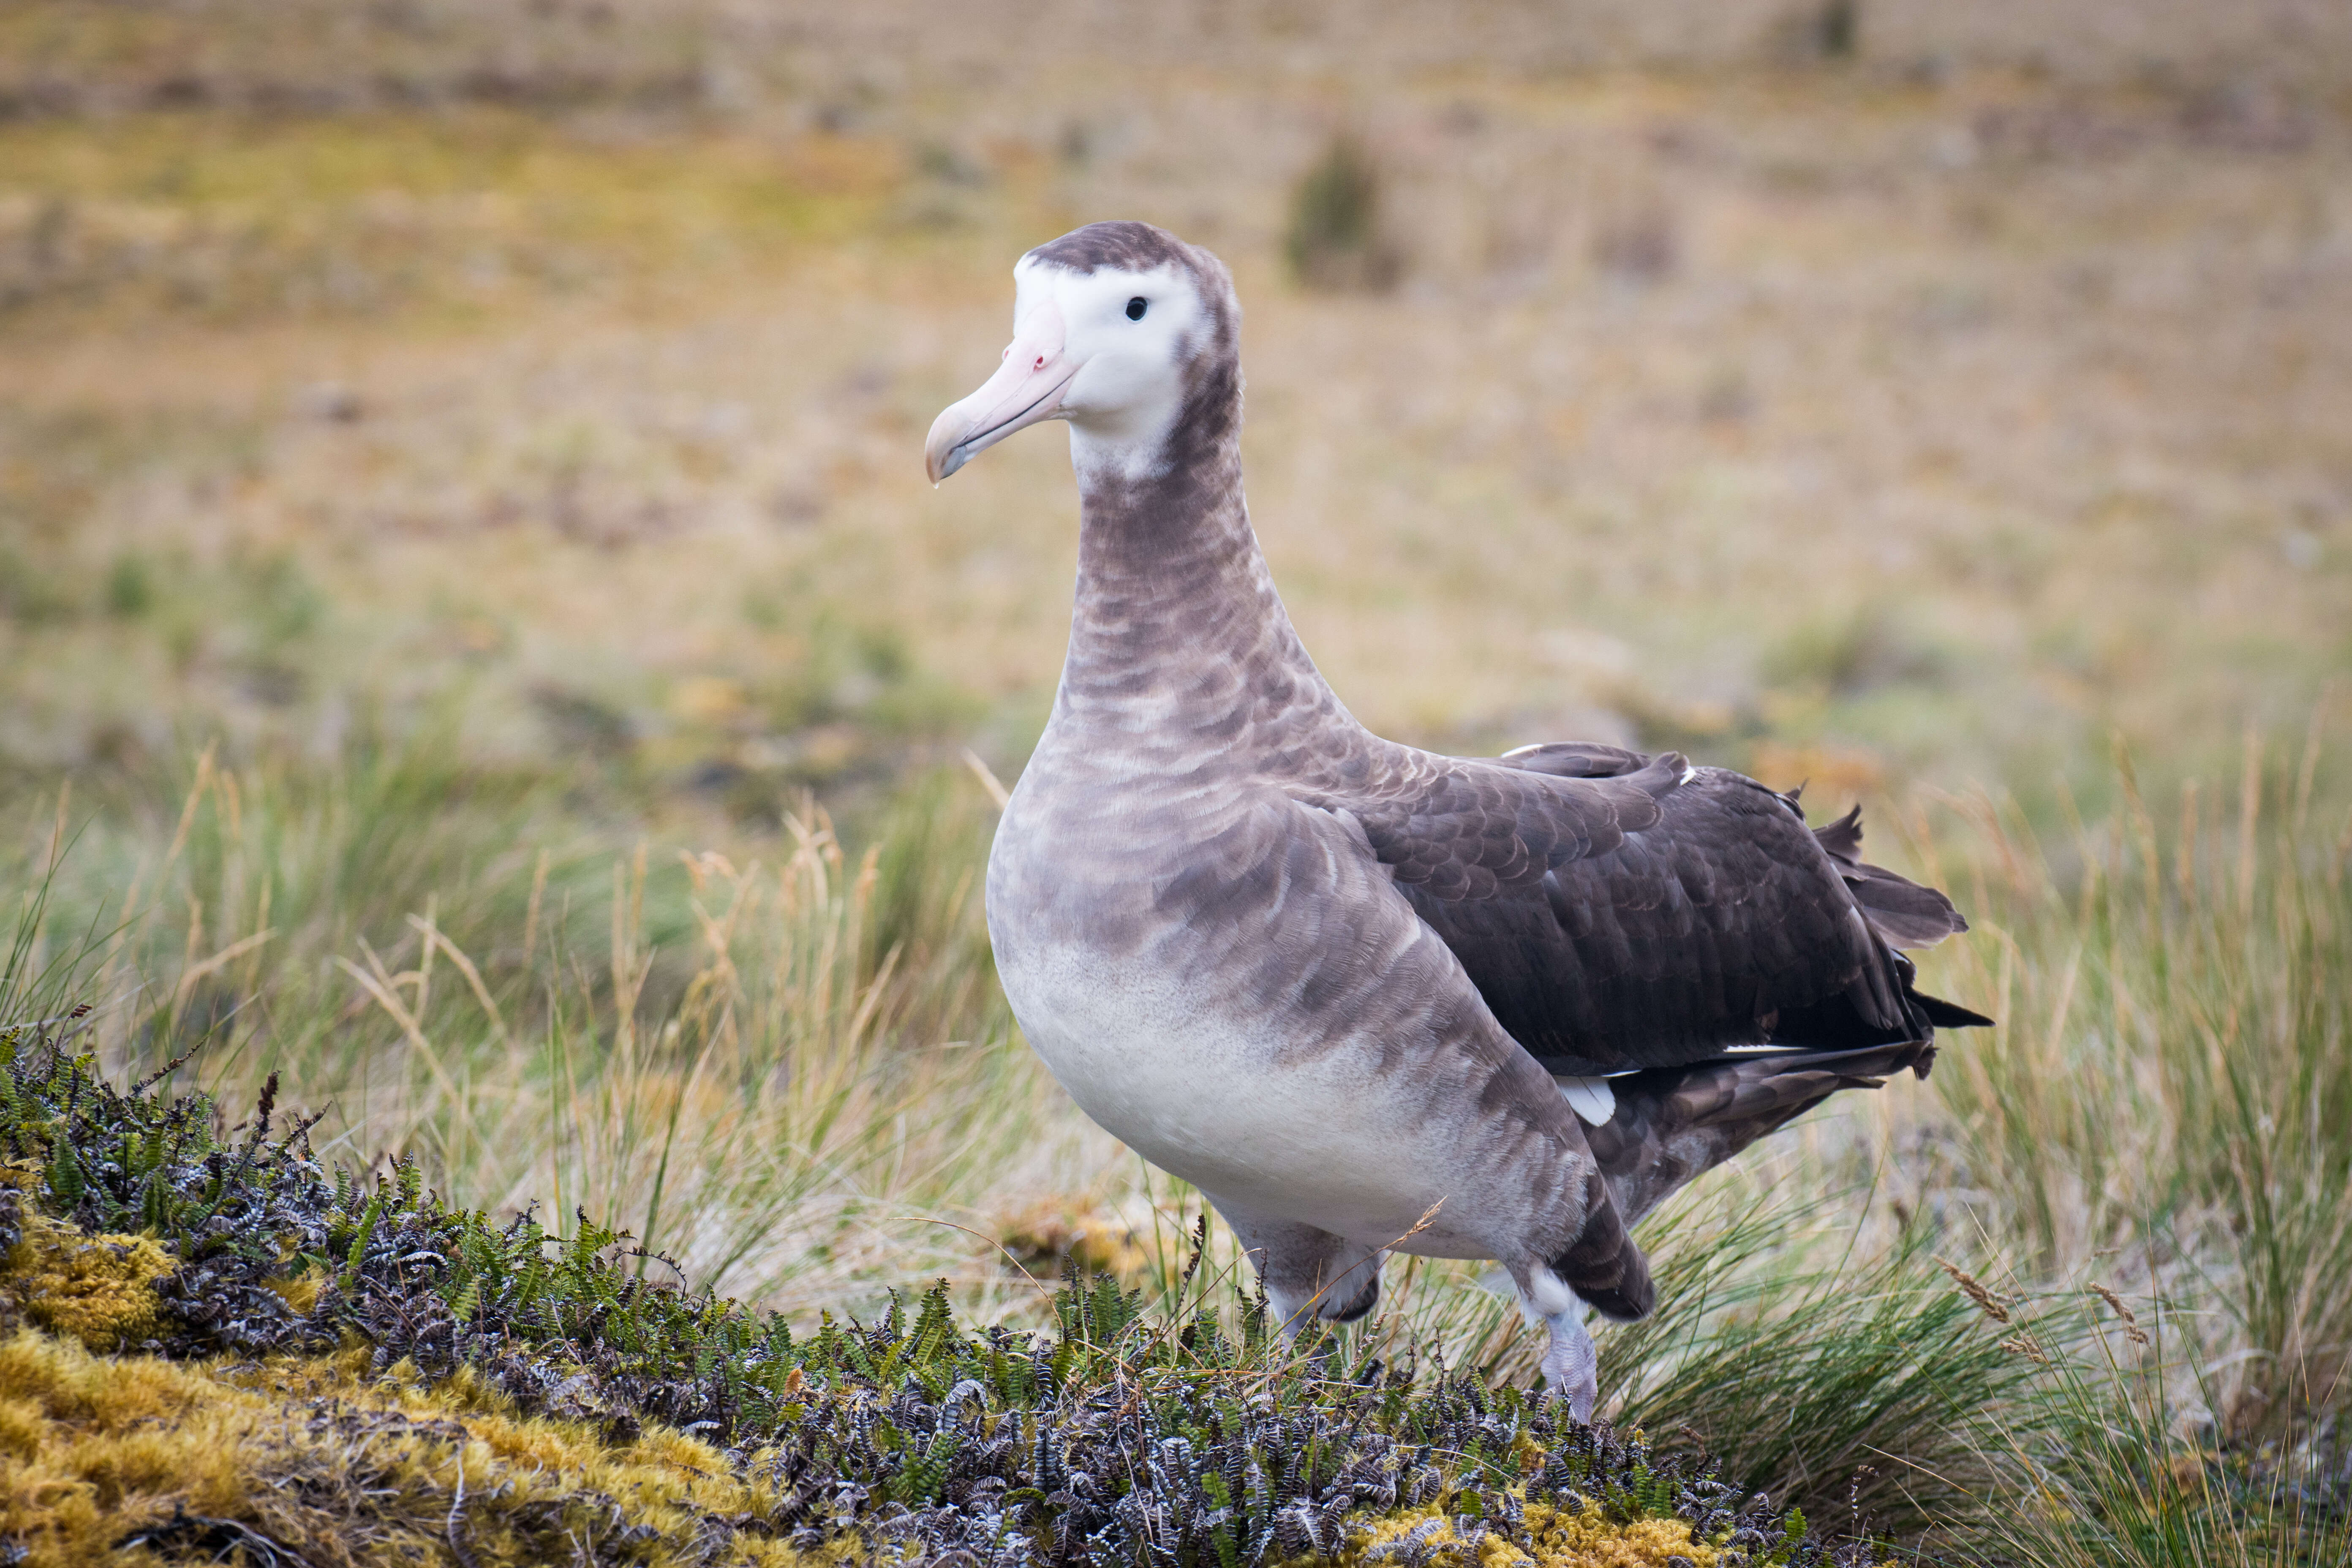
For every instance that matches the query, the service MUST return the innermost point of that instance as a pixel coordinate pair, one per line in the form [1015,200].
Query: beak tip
[941,453]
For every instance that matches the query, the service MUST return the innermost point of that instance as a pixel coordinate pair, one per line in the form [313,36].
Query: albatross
[1369,998]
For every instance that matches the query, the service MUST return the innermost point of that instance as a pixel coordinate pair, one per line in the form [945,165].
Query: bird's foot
[1571,1368]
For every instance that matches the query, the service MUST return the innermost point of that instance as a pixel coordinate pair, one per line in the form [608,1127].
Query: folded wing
[1621,911]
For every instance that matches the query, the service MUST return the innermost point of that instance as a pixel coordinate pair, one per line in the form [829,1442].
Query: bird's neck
[1177,630]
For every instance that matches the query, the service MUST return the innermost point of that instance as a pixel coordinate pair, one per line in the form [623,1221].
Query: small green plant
[1335,240]
[1851,654]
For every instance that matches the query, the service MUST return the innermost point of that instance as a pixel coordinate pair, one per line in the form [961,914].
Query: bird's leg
[1296,1305]
[1293,1307]
[1308,1274]
[1571,1368]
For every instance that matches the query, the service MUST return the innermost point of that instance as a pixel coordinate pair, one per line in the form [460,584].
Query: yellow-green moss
[1562,1539]
[300,1294]
[340,1468]
[99,1289]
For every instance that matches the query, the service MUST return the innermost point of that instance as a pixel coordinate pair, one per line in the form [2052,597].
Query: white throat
[1120,456]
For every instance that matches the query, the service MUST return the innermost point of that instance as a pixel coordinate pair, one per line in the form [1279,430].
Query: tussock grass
[796,1078]
[2114,1468]
[2154,1148]
[2170,1091]
[1853,1378]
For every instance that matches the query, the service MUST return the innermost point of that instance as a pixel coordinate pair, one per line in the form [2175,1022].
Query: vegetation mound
[226,1348]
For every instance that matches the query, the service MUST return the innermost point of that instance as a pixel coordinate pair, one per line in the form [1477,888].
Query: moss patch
[1552,1536]
[98,1290]
[111,1459]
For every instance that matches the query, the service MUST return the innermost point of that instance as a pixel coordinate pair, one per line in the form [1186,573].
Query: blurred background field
[469,602]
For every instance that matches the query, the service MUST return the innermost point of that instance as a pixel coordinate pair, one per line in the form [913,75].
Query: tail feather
[1670,1125]
[1881,1006]
[1674,1124]
[1949,1015]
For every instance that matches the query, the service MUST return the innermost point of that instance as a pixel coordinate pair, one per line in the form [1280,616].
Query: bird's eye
[1136,306]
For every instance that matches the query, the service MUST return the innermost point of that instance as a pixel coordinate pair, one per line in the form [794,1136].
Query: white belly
[1214,1098]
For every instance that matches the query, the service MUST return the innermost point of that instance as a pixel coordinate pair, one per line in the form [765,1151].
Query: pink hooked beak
[1027,388]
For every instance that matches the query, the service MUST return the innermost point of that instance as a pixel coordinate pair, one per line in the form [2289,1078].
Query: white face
[1104,349]
[1131,380]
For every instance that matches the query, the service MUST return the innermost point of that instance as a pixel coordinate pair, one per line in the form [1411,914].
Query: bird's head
[1125,331]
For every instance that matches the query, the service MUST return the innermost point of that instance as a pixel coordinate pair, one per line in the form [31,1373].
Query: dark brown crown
[1127,245]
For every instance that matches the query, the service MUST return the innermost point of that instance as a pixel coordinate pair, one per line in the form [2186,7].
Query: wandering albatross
[1369,998]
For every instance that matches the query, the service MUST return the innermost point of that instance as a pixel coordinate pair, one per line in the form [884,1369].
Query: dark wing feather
[1618,912]
[1907,914]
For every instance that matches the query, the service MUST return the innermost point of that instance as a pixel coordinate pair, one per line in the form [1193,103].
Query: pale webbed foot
[1571,1368]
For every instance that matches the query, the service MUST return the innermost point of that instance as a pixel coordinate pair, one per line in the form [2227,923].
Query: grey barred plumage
[1330,979]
